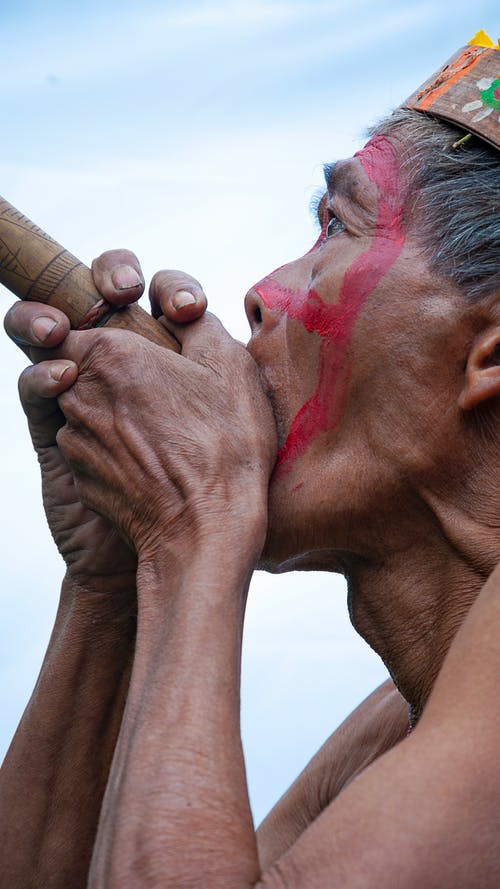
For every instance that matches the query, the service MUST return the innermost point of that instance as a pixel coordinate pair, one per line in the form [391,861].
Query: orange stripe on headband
[449,75]
[466,91]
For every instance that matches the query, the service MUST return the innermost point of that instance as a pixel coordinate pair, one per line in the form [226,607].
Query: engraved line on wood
[11,263]
[12,216]
[52,275]
[56,273]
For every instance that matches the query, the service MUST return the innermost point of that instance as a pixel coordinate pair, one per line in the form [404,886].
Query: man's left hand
[171,448]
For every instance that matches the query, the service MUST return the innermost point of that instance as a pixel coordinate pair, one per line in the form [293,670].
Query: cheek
[334,323]
[331,326]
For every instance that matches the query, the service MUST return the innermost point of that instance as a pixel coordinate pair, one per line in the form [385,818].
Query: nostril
[253,308]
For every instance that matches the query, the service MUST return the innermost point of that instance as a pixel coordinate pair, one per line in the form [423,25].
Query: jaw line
[314,560]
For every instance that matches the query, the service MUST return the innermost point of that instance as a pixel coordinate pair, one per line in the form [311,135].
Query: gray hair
[455,193]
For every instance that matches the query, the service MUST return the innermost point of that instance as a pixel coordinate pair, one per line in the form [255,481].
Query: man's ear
[482,372]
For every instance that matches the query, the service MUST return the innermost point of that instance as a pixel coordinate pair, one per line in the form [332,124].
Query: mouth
[276,403]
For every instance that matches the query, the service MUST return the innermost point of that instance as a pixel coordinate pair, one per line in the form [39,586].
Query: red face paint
[335,323]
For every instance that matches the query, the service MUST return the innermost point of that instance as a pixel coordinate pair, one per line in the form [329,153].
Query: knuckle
[171,280]
[159,282]
[101,340]
[70,407]
[69,443]
[115,344]
[9,318]
[62,438]
[210,318]
[128,257]
[104,260]
[107,261]
[216,331]
[105,346]
[24,384]
[81,490]
[109,354]
[17,323]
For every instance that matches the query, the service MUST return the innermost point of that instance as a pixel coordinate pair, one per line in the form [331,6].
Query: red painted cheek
[335,323]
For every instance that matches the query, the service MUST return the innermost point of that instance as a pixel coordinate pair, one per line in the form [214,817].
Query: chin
[292,541]
[302,534]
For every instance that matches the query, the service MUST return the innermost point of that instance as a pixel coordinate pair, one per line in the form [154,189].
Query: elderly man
[378,352]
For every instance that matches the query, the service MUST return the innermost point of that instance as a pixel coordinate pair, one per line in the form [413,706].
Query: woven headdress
[466,91]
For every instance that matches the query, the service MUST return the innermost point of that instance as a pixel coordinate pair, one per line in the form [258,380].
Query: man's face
[327,331]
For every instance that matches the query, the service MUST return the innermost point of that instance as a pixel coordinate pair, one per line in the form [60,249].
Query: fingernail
[183,298]
[124,277]
[42,327]
[57,371]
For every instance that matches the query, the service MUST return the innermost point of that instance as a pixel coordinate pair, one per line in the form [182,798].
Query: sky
[194,134]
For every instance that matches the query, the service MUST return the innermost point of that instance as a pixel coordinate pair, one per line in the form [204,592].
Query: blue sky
[194,133]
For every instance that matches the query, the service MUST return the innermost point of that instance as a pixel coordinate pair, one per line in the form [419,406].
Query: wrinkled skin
[77,706]
[91,547]
[389,341]
[372,366]
[188,469]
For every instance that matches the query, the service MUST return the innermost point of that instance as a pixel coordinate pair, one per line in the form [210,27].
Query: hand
[90,545]
[172,449]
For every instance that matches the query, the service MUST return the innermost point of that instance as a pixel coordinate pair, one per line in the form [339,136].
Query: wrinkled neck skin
[409,603]
[425,557]
[410,585]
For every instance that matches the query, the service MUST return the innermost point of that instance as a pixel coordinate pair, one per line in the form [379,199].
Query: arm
[176,808]
[423,814]
[186,527]
[54,775]
[52,782]
[181,742]
[188,689]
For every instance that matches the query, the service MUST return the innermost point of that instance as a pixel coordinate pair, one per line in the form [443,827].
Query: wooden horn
[35,267]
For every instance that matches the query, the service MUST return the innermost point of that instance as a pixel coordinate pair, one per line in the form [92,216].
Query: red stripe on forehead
[380,164]
[335,323]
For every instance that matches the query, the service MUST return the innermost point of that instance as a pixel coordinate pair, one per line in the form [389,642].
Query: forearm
[55,772]
[176,811]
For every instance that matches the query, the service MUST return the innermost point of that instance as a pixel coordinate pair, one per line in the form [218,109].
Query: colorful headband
[466,91]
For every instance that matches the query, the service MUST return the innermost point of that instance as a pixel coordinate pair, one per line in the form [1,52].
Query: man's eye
[334,227]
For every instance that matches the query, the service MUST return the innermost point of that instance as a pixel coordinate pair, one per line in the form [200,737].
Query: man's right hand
[93,550]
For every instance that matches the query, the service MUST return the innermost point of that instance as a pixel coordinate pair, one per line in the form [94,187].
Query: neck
[409,604]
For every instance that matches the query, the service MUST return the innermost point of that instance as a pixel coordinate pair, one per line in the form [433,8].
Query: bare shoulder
[379,723]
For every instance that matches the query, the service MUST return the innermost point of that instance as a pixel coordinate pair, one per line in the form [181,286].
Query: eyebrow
[329,173]
[338,179]
[333,174]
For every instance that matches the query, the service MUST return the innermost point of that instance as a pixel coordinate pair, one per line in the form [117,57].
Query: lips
[281,420]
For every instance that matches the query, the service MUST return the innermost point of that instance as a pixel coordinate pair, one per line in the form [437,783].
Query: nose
[255,310]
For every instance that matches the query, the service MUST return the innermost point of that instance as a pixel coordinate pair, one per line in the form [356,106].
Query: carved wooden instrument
[35,267]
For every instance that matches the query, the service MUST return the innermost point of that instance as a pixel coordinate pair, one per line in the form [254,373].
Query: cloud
[109,46]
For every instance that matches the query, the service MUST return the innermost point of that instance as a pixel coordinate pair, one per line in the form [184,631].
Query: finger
[108,344]
[177,296]
[31,324]
[118,276]
[39,387]
[205,338]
